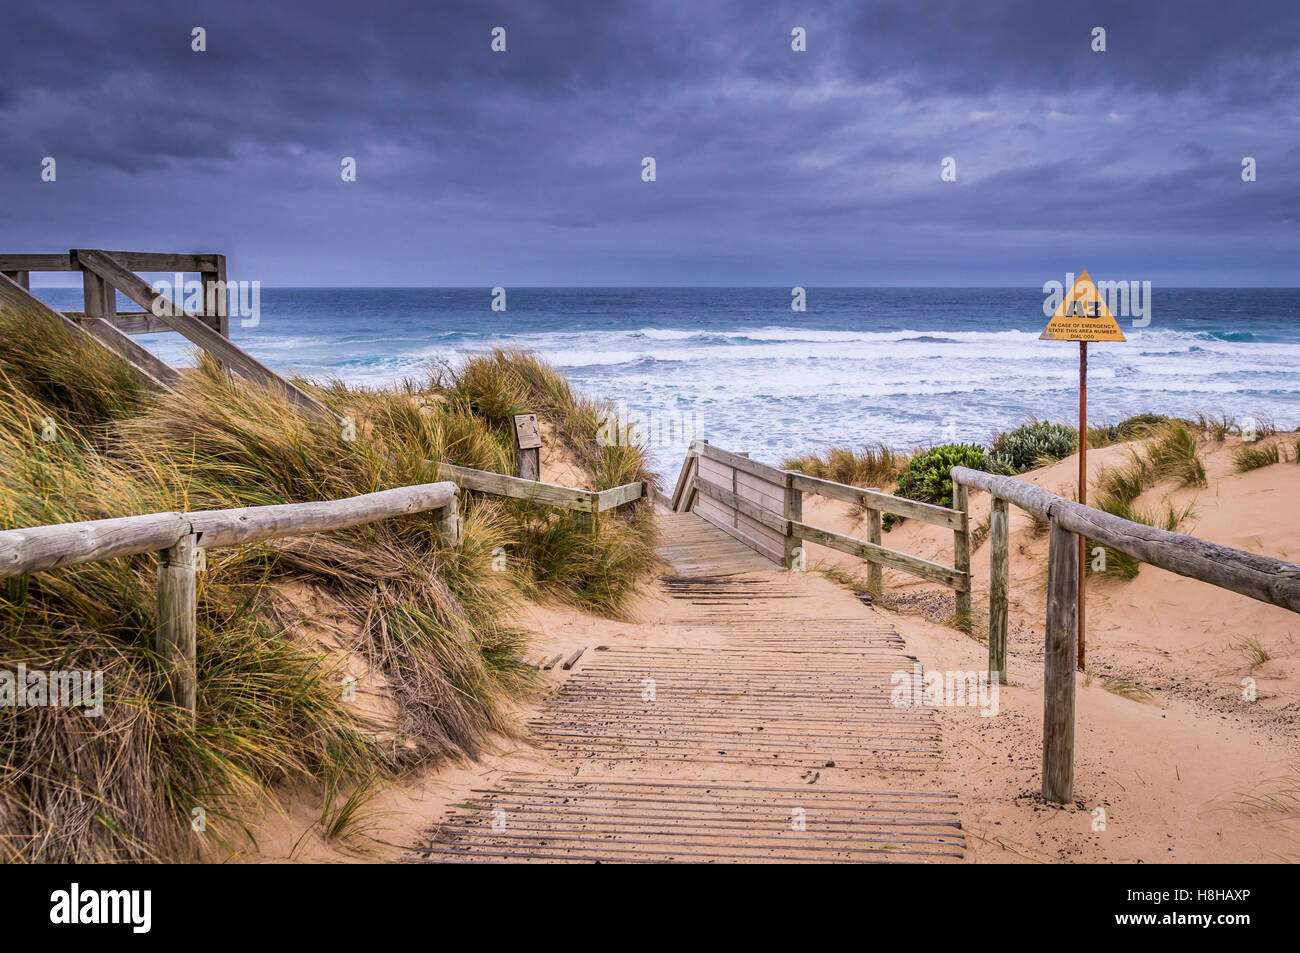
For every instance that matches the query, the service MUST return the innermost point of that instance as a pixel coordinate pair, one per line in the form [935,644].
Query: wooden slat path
[770,737]
[692,546]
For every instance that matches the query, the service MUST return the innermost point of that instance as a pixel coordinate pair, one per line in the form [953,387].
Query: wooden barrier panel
[194,328]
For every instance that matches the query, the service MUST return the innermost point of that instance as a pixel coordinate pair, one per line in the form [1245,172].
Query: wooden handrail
[1270,580]
[178,539]
[791,485]
[535,491]
[37,548]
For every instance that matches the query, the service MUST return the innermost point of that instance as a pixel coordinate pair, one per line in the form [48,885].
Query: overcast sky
[774,167]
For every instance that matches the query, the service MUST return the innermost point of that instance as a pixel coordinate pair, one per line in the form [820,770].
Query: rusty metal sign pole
[1083,485]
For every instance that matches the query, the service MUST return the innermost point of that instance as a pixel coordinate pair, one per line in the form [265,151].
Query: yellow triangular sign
[1082,316]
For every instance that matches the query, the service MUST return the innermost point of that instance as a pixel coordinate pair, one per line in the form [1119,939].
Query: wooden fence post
[874,534]
[528,444]
[215,303]
[999,576]
[1059,664]
[961,549]
[177,635]
[449,523]
[20,278]
[100,296]
[793,511]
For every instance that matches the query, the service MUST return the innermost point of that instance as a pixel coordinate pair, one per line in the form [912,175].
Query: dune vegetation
[80,439]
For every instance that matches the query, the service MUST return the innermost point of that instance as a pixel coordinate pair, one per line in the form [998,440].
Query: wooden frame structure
[1270,580]
[105,273]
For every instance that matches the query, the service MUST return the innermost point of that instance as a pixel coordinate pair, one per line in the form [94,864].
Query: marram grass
[433,621]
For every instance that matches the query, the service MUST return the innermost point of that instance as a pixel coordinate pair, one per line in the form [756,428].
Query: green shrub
[927,476]
[1032,445]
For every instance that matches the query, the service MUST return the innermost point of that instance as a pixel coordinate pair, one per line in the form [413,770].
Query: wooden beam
[21,278]
[151,371]
[619,495]
[195,330]
[176,638]
[1058,664]
[999,584]
[33,549]
[743,463]
[533,491]
[738,504]
[133,260]
[874,499]
[933,572]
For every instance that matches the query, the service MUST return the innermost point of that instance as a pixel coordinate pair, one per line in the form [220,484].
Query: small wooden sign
[528,444]
[527,435]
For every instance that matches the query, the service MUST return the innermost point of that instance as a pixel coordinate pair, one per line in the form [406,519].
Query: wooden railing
[180,538]
[1270,580]
[105,273]
[535,491]
[762,506]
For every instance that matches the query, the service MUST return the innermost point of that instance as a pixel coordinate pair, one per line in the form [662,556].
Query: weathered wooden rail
[535,491]
[1270,580]
[762,506]
[105,273]
[179,539]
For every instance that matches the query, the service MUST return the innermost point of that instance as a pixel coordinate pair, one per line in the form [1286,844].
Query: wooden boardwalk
[769,737]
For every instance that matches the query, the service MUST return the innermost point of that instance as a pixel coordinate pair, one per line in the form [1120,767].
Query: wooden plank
[56,262]
[886,557]
[724,524]
[619,495]
[195,330]
[999,585]
[151,371]
[36,548]
[766,518]
[742,463]
[1270,580]
[772,540]
[885,502]
[961,550]
[551,664]
[176,637]
[1058,664]
[572,659]
[763,492]
[533,491]
[133,260]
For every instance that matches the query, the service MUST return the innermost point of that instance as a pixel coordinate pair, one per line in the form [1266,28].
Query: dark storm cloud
[774,166]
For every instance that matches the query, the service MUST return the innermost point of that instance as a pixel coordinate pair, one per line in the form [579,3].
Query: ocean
[737,366]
